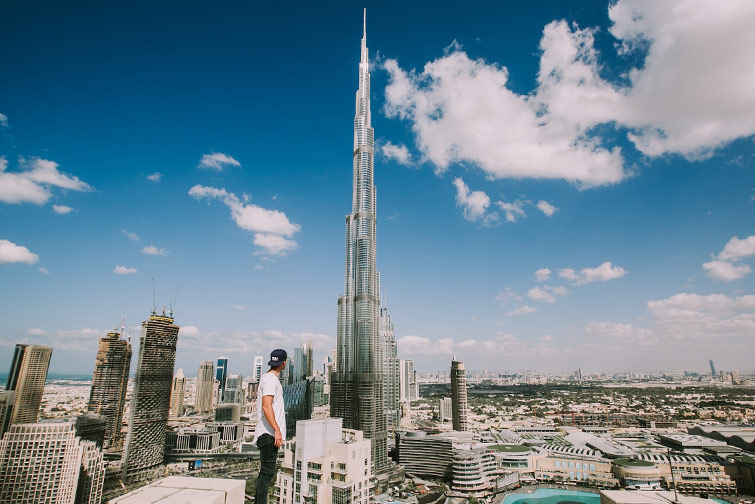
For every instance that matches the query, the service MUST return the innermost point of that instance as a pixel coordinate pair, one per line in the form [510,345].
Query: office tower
[46,462]
[251,391]
[221,374]
[329,367]
[327,464]
[356,391]
[28,372]
[150,401]
[203,401]
[259,363]
[735,380]
[391,378]
[459,395]
[445,409]
[713,369]
[109,384]
[177,393]
[7,400]
[298,365]
[409,389]
[310,359]
[234,390]
[298,402]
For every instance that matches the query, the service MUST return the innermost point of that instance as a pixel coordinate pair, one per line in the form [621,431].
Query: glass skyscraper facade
[221,374]
[391,392]
[357,385]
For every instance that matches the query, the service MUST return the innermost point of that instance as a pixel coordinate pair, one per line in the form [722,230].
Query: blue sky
[559,186]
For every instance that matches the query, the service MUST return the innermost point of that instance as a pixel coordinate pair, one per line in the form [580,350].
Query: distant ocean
[73,378]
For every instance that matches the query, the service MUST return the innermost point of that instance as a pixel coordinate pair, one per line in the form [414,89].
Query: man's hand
[278,438]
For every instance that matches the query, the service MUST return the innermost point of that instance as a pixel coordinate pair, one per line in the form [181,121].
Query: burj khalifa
[356,392]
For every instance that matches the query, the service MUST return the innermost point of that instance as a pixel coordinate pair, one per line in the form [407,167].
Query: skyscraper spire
[357,386]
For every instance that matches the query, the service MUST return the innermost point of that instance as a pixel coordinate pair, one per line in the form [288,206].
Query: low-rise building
[695,473]
[192,440]
[637,474]
[230,432]
[578,465]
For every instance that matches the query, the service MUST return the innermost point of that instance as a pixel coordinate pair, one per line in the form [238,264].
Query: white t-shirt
[270,385]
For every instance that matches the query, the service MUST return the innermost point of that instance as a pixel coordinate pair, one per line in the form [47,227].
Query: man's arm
[267,409]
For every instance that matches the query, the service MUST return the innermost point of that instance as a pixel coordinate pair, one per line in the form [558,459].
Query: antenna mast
[173,304]
[154,303]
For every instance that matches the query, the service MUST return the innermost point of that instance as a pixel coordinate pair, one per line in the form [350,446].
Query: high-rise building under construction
[28,372]
[150,402]
[356,389]
[109,383]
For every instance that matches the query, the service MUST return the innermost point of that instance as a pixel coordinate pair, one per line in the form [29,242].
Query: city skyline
[537,211]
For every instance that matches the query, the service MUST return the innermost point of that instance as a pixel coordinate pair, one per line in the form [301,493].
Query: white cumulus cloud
[62,209]
[12,253]
[512,210]
[274,244]
[399,153]
[694,316]
[546,208]
[123,270]
[3,120]
[726,271]
[152,250]
[737,249]
[474,203]
[33,183]
[538,294]
[272,228]
[543,274]
[131,236]
[217,161]
[689,93]
[523,310]
[155,177]
[602,273]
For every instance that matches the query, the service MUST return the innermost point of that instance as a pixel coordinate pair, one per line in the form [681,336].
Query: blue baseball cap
[277,357]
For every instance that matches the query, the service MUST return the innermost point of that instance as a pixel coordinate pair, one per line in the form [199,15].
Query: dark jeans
[268,458]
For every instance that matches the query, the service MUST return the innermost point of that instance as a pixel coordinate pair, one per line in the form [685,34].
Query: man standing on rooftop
[270,430]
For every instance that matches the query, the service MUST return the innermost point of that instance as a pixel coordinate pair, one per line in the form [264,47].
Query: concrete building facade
[177,393]
[460,409]
[46,462]
[327,464]
[203,400]
[28,372]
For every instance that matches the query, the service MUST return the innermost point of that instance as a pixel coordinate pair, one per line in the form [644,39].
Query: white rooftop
[186,490]
[648,497]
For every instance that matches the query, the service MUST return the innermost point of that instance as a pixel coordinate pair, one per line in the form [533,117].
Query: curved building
[459,396]
[150,401]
